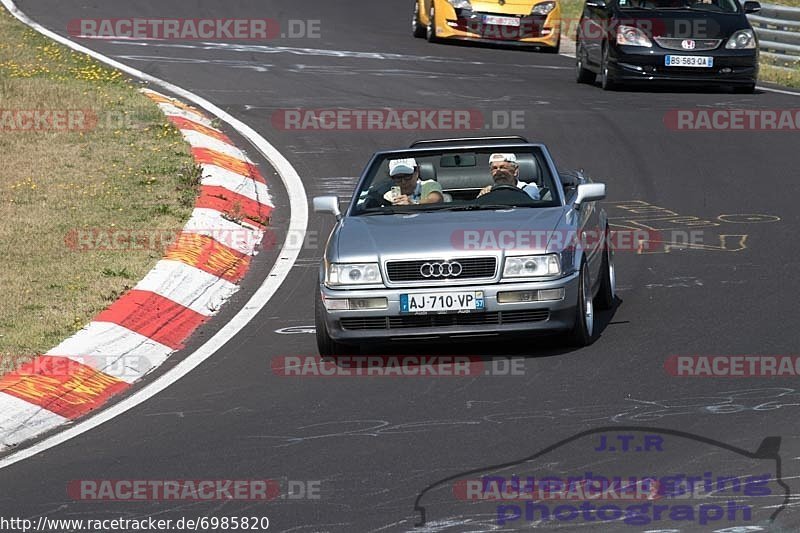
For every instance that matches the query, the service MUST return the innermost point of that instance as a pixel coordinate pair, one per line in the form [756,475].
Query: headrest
[529,171]
[427,171]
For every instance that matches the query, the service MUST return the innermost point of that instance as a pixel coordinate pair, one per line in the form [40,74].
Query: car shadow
[516,345]
[498,46]
[677,89]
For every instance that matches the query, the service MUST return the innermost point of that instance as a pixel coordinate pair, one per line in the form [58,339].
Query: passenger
[405,174]
[505,171]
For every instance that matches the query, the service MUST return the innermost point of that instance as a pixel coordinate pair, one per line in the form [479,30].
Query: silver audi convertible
[463,238]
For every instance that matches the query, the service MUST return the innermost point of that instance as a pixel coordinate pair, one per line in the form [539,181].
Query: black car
[685,41]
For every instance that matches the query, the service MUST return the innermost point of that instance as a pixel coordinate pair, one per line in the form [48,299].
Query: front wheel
[417,27]
[582,74]
[430,31]
[745,89]
[582,333]
[606,82]
[608,278]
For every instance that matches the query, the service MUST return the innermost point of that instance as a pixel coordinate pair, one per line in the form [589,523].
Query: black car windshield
[457,180]
[717,6]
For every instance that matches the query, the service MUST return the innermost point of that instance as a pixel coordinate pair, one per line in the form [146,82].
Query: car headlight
[352,274]
[460,4]
[630,36]
[532,265]
[543,8]
[741,40]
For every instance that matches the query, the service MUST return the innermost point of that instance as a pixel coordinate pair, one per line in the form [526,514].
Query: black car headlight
[631,36]
[741,40]
[543,8]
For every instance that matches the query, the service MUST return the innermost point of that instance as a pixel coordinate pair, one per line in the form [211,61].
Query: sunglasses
[402,177]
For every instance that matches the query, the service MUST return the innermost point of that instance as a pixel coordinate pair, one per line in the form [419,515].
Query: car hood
[510,7]
[685,24]
[438,234]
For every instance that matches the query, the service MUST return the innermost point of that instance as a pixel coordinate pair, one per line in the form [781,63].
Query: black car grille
[672,43]
[471,268]
[437,321]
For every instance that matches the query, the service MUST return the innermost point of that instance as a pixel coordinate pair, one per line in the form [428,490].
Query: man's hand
[402,200]
[485,190]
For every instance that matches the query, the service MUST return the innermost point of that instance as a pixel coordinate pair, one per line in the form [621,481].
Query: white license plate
[500,21]
[689,61]
[441,302]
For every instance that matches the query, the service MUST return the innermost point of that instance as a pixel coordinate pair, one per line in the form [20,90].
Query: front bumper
[639,64]
[496,319]
[534,30]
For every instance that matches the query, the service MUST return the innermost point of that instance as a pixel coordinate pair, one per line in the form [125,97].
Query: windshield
[718,6]
[457,180]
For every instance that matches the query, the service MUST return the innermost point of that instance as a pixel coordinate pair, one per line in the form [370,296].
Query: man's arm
[533,191]
[431,192]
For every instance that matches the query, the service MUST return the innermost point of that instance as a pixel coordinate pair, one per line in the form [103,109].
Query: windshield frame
[538,150]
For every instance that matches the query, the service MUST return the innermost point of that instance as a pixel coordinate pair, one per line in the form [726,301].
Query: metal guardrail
[778,30]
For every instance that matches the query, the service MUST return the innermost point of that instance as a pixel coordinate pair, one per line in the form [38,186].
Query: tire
[607,295]
[326,346]
[605,80]
[430,29]
[582,333]
[582,75]
[416,26]
[745,89]
[553,49]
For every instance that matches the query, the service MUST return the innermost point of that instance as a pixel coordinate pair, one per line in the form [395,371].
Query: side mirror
[599,4]
[589,192]
[327,204]
[751,7]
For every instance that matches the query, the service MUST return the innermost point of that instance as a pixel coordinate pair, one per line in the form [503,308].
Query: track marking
[298,223]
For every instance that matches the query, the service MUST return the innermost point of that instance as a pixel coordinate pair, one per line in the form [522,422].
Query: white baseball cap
[402,166]
[501,158]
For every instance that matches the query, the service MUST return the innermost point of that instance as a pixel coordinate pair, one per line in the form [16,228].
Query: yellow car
[535,23]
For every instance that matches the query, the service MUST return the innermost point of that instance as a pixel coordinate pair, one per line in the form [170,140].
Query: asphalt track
[376,443]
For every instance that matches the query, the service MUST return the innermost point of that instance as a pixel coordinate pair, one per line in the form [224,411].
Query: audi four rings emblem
[445,269]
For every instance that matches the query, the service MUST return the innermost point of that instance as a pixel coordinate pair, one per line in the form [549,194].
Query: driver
[505,171]
[405,174]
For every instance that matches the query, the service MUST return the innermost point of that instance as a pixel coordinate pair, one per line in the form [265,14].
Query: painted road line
[172,111]
[287,256]
[220,177]
[203,252]
[189,286]
[61,386]
[240,236]
[185,124]
[23,420]
[99,339]
[201,140]
[234,206]
[205,156]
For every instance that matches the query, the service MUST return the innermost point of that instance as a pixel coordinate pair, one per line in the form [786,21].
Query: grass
[571,12]
[781,76]
[132,170]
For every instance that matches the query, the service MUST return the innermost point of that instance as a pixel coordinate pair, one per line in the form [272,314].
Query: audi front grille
[440,269]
